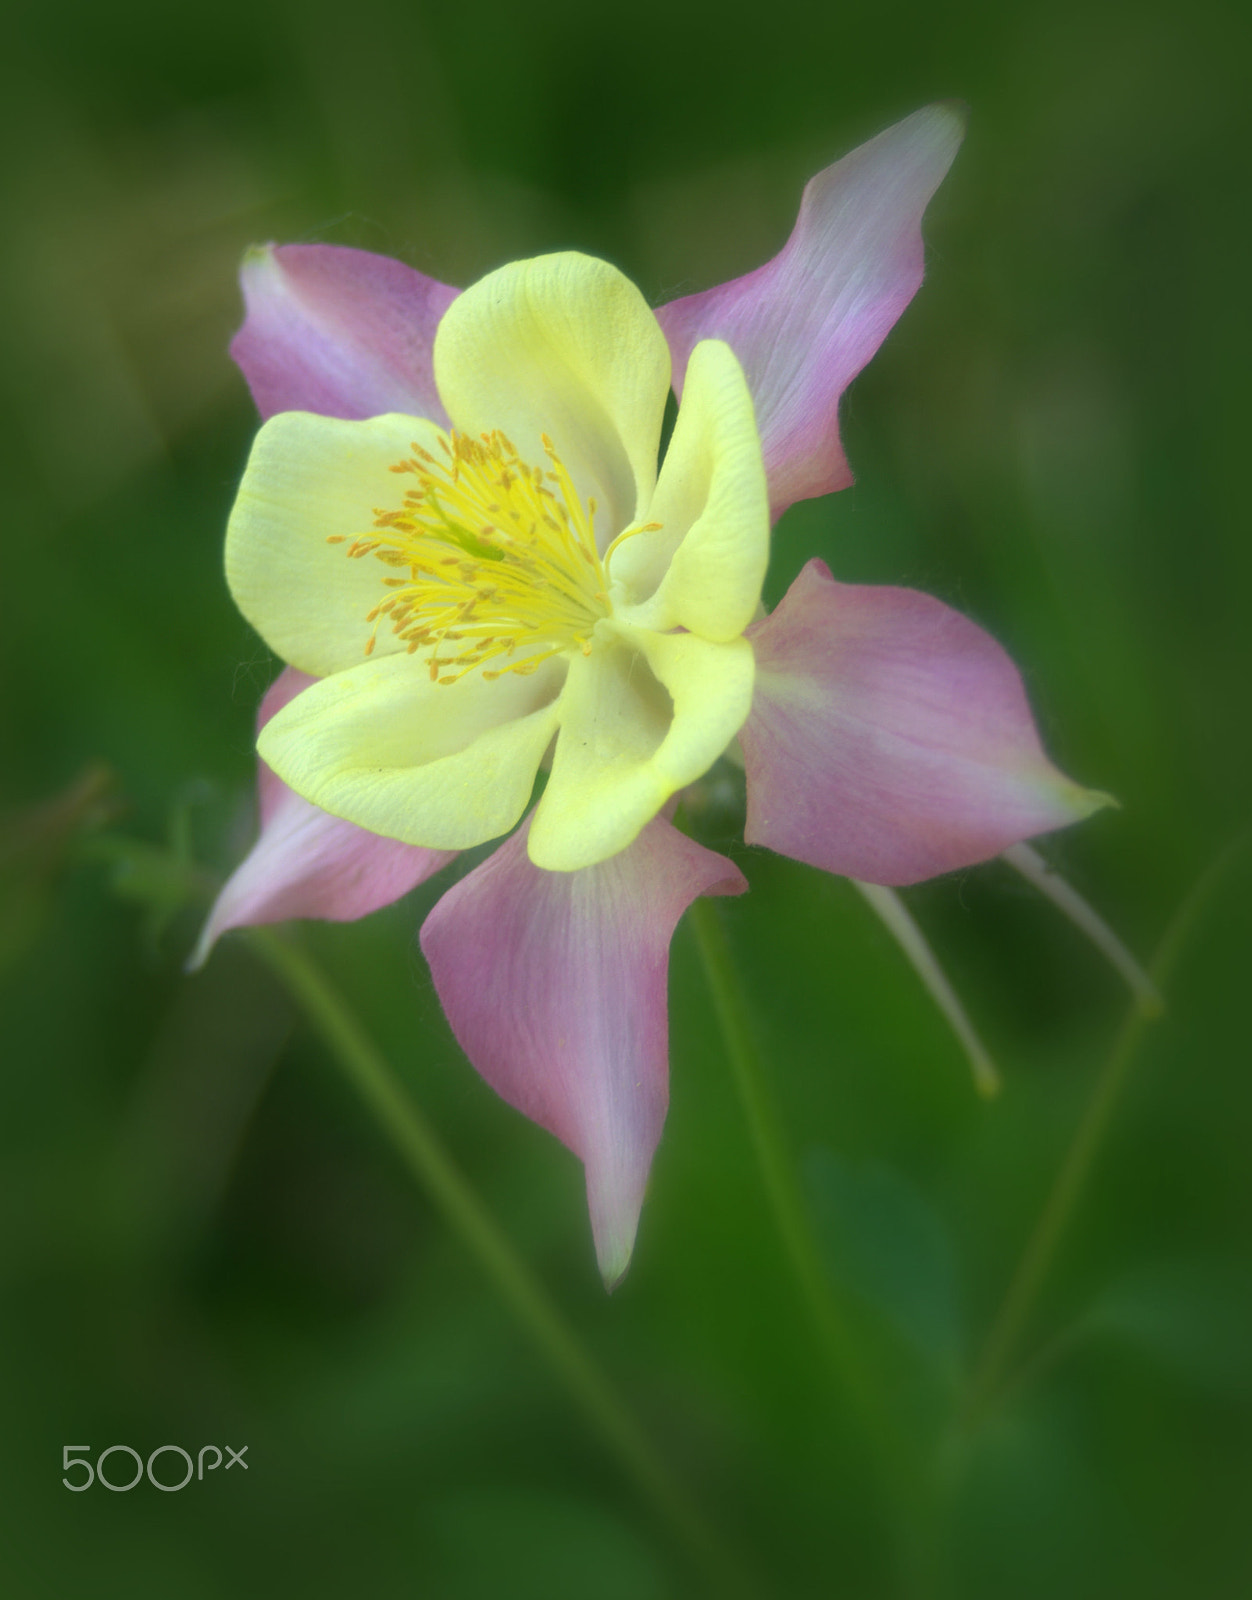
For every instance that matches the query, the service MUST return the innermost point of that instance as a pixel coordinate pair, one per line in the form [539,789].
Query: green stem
[778,1177]
[417,1142]
[898,1471]
[1071,1179]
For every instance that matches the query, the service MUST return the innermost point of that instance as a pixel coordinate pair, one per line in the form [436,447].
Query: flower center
[500,559]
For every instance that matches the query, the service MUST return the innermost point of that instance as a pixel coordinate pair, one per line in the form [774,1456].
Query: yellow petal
[309,479]
[442,765]
[640,717]
[703,569]
[562,345]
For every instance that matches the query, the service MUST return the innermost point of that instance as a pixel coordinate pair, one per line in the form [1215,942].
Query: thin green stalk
[778,1177]
[1087,920]
[898,1470]
[1075,1169]
[417,1142]
[902,926]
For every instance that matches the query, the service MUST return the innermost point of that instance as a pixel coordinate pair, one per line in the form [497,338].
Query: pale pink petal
[890,738]
[340,332]
[307,863]
[806,323]
[555,985]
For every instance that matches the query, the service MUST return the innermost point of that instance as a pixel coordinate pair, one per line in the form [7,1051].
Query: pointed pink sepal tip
[890,738]
[555,987]
[306,863]
[338,331]
[805,323]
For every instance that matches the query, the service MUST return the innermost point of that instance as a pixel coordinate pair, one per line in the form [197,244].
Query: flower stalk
[992,1371]
[898,1471]
[376,1082]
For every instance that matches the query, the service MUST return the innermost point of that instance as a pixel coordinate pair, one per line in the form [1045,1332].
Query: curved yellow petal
[640,717]
[704,567]
[562,345]
[447,766]
[309,479]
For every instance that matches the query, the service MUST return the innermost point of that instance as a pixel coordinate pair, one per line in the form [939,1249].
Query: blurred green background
[204,1239]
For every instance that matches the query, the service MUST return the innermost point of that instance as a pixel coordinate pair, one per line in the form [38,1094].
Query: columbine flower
[453,522]
[469,595]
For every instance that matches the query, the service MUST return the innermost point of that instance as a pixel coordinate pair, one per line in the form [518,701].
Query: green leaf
[885,1242]
[1193,1318]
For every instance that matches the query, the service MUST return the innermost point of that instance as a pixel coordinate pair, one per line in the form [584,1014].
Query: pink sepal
[890,738]
[555,986]
[340,332]
[805,323]
[307,863]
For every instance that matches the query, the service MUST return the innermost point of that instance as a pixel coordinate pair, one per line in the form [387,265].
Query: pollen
[493,560]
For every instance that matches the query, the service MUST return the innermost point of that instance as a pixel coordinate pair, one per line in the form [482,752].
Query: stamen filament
[500,557]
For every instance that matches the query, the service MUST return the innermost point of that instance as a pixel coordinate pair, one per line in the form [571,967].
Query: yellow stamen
[501,559]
